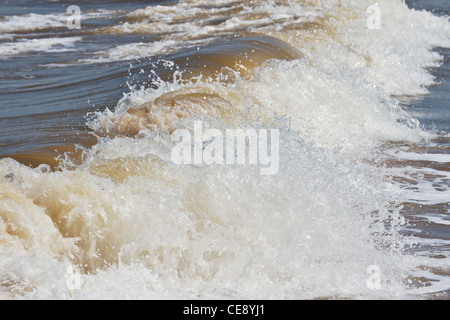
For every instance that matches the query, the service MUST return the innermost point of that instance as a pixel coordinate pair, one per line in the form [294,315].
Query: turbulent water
[92,205]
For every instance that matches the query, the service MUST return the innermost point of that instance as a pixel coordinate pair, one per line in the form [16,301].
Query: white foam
[330,111]
[38,45]
[433,157]
[34,21]
[439,220]
[304,233]
[186,21]
[134,51]
[398,55]
[430,186]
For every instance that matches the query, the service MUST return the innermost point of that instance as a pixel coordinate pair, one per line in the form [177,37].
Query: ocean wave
[134,224]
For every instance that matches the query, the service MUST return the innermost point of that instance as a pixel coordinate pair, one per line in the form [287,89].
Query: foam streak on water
[345,199]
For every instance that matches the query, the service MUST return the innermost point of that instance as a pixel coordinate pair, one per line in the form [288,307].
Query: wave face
[92,204]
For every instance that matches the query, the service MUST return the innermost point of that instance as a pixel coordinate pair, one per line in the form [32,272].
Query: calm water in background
[33,92]
[53,79]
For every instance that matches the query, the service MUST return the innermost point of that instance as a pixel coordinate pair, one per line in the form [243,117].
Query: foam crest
[342,112]
[136,225]
[129,206]
[24,46]
[39,22]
